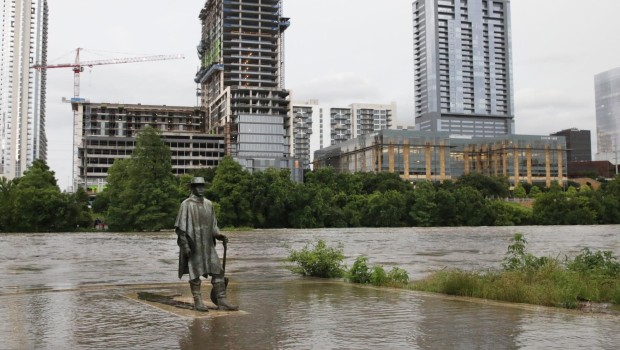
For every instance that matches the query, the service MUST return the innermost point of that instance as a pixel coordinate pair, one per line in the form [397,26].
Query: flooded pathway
[60,291]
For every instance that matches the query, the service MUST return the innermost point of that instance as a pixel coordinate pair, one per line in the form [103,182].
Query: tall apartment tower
[463,67]
[242,80]
[22,89]
[607,99]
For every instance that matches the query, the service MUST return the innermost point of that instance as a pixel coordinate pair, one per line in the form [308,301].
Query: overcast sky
[337,51]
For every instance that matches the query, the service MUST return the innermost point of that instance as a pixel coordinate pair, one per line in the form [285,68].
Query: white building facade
[318,126]
[22,89]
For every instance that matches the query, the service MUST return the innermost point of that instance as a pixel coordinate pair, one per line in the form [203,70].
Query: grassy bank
[589,277]
[525,278]
[551,285]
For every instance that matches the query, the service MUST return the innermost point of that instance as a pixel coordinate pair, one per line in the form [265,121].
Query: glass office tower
[462,62]
[607,99]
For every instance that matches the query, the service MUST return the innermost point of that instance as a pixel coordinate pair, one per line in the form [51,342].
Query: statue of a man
[197,230]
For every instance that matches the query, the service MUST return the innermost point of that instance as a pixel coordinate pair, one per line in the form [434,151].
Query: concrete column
[429,164]
[406,159]
[529,164]
[560,165]
[379,157]
[494,160]
[391,157]
[442,162]
[466,160]
[516,163]
[364,168]
[548,165]
[504,161]
[356,155]
[373,157]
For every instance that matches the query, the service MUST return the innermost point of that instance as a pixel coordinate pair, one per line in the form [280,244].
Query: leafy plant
[359,272]
[518,259]
[318,260]
[601,263]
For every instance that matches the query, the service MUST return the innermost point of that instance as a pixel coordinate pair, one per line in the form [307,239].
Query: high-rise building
[462,62]
[22,89]
[607,99]
[578,144]
[242,80]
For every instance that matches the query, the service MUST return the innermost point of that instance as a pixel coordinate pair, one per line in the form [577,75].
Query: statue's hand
[223,239]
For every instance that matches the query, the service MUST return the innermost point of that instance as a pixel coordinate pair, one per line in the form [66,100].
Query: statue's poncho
[197,220]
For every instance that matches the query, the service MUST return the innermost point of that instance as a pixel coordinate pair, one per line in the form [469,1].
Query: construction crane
[78,66]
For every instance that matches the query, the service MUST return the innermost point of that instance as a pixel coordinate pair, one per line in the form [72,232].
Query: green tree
[424,208]
[231,188]
[519,191]
[488,186]
[386,209]
[534,191]
[143,193]
[560,208]
[37,203]
[6,203]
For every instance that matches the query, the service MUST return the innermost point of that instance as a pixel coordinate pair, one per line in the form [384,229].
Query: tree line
[143,195]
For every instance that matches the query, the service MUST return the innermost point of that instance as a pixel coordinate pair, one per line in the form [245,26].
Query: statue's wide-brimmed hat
[198,181]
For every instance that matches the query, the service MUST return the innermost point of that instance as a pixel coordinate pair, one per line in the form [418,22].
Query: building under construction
[242,80]
[105,132]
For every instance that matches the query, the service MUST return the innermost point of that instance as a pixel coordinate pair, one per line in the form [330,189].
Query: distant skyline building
[242,81]
[607,99]
[578,144]
[323,125]
[22,89]
[463,67]
[439,156]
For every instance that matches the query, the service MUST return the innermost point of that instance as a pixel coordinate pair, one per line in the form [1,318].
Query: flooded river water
[74,291]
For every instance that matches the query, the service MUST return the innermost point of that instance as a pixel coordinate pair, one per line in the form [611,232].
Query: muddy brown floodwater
[76,291]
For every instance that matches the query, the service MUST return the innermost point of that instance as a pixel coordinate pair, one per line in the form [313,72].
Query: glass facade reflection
[607,99]
[438,156]
[462,62]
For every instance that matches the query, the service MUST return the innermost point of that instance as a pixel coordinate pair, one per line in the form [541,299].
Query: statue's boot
[198,304]
[222,303]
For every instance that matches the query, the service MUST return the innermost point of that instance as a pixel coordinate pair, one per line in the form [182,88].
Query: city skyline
[332,54]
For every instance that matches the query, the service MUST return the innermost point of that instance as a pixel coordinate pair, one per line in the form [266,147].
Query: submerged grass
[551,286]
[590,277]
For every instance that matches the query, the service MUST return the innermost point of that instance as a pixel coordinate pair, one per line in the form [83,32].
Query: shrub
[320,261]
[601,263]
[377,276]
[398,276]
[359,272]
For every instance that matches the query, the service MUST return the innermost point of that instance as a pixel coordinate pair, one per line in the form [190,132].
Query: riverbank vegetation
[319,260]
[143,195]
[592,277]
[525,278]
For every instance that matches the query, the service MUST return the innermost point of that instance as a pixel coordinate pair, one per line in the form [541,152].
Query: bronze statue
[197,230]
